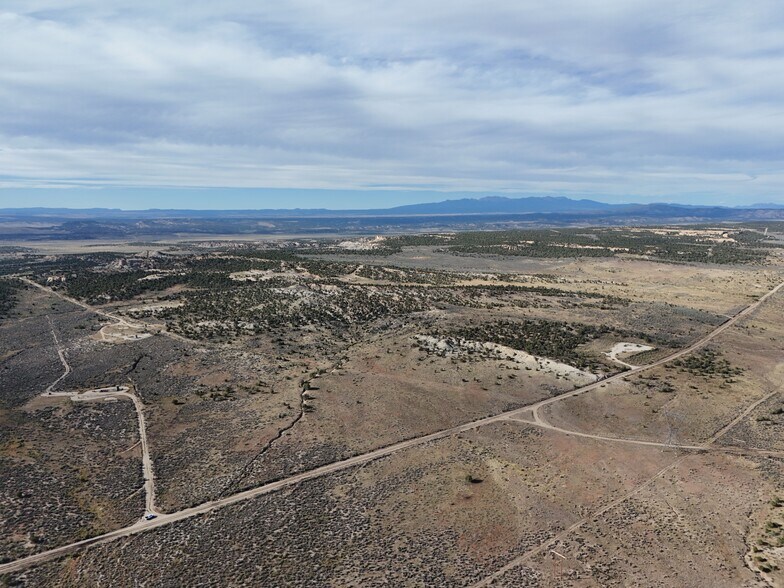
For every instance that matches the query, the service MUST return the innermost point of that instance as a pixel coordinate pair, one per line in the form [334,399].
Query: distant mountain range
[769,205]
[492,212]
[500,204]
[486,205]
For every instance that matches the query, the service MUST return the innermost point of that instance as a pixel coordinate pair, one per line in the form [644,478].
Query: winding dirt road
[534,409]
[106,393]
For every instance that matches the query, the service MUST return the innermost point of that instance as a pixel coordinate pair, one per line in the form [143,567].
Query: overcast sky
[383,102]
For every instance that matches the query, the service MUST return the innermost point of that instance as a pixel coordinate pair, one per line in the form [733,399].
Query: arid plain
[568,409]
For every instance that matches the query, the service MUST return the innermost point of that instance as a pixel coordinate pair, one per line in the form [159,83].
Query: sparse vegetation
[8,289]
[708,363]
[664,244]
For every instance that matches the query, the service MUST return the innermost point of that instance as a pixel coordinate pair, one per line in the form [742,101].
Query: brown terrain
[415,419]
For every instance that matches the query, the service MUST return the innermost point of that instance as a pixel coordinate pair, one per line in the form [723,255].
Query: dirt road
[123,393]
[536,408]
[166,519]
[61,354]
[130,324]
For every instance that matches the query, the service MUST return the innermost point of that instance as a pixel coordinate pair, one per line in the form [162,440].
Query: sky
[300,103]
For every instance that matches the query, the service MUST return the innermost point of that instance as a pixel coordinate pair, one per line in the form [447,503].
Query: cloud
[606,98]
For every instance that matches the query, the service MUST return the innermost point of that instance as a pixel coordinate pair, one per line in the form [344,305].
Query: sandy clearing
[502,352]
[625,347]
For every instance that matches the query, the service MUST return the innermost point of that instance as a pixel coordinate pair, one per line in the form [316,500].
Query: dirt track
[702,447]
[63,360]
[120,320]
